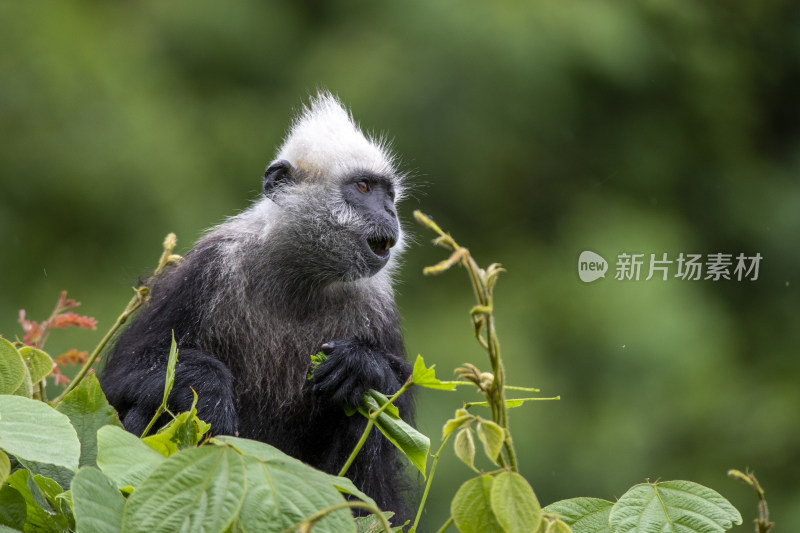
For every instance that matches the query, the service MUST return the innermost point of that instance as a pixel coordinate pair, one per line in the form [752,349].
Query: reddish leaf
[72,357]
[68,319]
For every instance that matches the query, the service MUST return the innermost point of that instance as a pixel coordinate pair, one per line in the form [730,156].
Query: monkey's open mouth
[380,245]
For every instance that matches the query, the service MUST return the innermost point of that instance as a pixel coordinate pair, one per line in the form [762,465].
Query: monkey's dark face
[348,225]
[372,196]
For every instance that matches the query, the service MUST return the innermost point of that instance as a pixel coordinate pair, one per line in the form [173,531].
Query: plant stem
[429,482]
[142,293]
[446,525]
[361,441]
[495,396]
[319,515]
[132,306]
[159,412]
[42,391]
[373,416]
[763,525]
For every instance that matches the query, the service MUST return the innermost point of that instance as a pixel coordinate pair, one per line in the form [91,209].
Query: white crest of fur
[325,140]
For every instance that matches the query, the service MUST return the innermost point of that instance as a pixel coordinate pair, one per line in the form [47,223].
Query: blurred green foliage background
[534,131]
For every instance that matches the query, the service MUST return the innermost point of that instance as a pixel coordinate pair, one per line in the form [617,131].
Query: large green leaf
[33,430]
[12,368]
[88,411]
[514,504]
[279,494]
[677,506]
[411,442]
[471,507]
[197,490]
[583,515]
[124,457]
[274,456]
[97,502]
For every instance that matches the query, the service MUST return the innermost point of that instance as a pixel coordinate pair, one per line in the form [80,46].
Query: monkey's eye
[363,186]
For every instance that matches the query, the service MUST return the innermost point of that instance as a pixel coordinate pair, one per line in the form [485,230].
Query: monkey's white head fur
[325,140]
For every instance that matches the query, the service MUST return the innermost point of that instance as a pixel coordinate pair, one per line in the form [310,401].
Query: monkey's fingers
[328,376]
[349,393]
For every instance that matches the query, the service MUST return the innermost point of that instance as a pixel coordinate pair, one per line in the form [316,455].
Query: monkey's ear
[278,174]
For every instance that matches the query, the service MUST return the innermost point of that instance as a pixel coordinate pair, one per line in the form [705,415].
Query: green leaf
[171,362]
[123,457]
[411,442]
[184,431]
[345,486]
[39,364]
[49,489]
[682,506]
[492,271]
[492,436]
[30,429]
[557,526]
[471,507]
[462,417]
[66,497]
[41,516]
[272,455]
[280,494]
[516,402]
[583,515]
[169,381]
[316,360]
[5,467]
[464,447]
[59,474]
[198,490]
[514,504]
[382,400]
[371,524]
[12,368]
[46,493]
[88,411]
[526,389]
[426,377]
[97,502]
[13,508]
[26,388]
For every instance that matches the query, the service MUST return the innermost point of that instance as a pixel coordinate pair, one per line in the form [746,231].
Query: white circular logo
[591,266]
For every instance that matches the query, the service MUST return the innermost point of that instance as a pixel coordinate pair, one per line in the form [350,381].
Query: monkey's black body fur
[295,274]
[314,429]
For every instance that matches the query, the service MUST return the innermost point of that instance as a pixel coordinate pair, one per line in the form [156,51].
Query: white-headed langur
[307,268]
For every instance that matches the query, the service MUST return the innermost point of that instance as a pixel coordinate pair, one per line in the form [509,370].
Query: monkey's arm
[136,388]
[353,367]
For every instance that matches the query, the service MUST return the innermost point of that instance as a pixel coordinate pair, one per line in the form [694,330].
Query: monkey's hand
[350,370]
